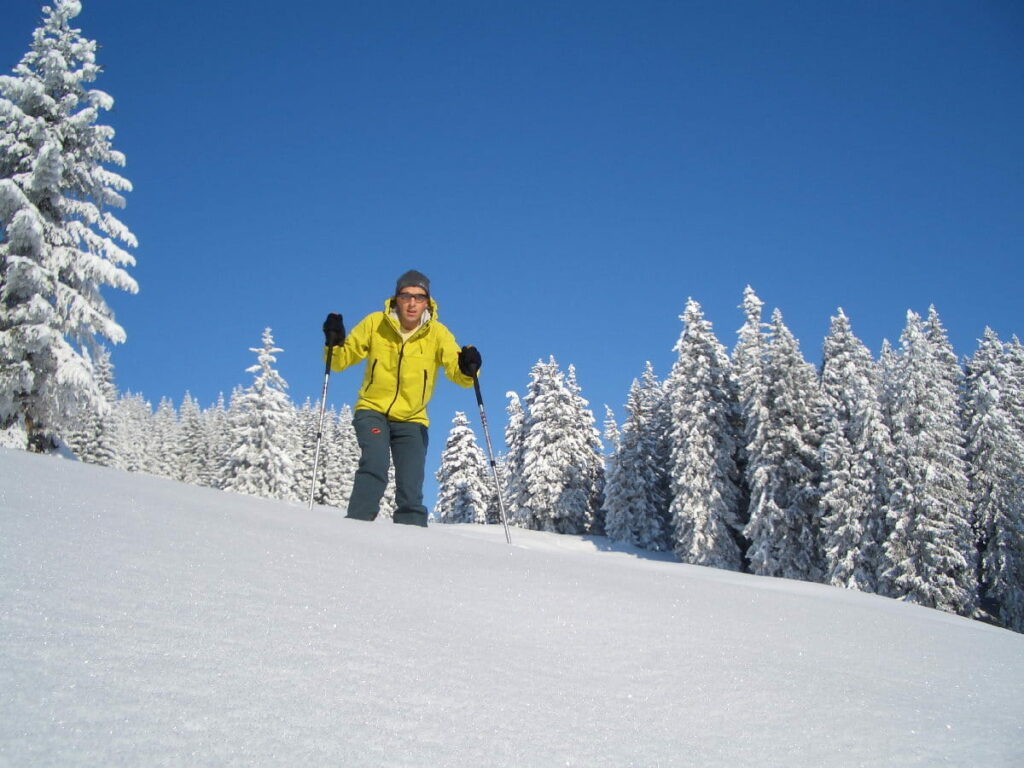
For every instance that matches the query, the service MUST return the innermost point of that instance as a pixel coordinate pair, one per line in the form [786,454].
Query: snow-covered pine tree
[494,505]
[163,443]
[133,424]
[854,453]
[748,374]
[630,479]
[612,439]
[389,501]
[307,425]
[590,462]
[1015,388]
[611,431]
[59,242]
[260,462]
[659,426]
[513,474]
[230,415]
[887,377]
[555,495]
[218,438]
[995,456]
[341,458]
[705,480]
[784,466]
[462,490]
[194,448]
[929,553]
[637,488]
[93,439]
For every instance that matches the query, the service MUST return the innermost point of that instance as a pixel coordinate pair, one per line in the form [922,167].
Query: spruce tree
[1015,386]
[658,424]
[856,448]
[784,465]
[494,505]
[133,425]
[163,444]
[93,438]
[636,492]
[307,424]
[60,244]
[704,420]
[887,377]
[389,502]
[611,430]
[194,448]
[231,415]
[463,492]
[748,373]
[262,419]
[995,455]
[341,458]
[218,438]
[513,464]
[929,554]
[590,459]
[556,494]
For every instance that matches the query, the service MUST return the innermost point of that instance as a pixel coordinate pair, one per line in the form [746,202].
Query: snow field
[151,622]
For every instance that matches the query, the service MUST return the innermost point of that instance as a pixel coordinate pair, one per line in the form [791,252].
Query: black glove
[469,361]
[334,330]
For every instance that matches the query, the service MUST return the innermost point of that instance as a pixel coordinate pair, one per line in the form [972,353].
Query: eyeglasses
[417,297]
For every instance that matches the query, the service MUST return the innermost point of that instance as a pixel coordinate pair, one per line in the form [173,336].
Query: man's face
[412,303]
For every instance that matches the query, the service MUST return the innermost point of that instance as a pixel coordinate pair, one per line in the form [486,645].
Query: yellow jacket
[400,376]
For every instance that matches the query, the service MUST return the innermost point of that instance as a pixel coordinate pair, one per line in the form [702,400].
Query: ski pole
[320,424]
[490,454]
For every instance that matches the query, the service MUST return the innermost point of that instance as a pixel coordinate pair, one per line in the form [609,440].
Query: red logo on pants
[375,431]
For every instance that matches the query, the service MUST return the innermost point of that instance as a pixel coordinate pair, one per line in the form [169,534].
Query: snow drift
[150,622]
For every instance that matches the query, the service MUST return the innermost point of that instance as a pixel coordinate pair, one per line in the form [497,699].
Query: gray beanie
[412,279]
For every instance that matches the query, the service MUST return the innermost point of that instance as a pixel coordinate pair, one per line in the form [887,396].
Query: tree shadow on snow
[604,544]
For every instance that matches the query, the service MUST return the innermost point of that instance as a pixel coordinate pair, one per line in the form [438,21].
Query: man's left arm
[448,357]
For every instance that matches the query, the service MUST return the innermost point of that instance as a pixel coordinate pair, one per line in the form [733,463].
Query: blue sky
[567,174]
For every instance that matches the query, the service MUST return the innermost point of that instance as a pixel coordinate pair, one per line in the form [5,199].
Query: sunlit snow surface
[144,622]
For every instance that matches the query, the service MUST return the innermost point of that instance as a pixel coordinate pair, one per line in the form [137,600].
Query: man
[404,346]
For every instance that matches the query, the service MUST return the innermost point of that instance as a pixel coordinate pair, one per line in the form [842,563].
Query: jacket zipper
[398,375]
[423,395]
[398,380]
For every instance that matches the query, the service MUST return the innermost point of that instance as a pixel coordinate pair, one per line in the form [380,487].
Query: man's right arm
[355,348]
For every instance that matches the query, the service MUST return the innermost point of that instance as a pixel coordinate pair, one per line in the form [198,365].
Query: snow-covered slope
[144,622]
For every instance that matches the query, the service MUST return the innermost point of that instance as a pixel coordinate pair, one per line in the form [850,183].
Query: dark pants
[380,441]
